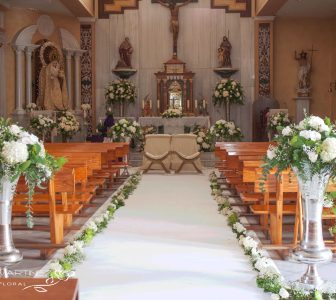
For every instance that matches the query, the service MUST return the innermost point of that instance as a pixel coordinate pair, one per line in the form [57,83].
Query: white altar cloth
[175,125]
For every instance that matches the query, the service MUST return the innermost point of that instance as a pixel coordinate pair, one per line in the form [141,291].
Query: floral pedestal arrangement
[67,125]
[21,154]
[171,113]
[124,131]
[225,131]
[309,148]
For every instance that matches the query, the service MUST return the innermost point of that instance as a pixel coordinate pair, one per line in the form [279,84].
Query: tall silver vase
[8,254]
[312,250]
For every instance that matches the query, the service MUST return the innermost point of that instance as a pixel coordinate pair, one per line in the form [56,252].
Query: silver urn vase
[8,254]
[312,250]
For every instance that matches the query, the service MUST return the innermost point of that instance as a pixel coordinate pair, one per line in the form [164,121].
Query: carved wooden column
[165,100]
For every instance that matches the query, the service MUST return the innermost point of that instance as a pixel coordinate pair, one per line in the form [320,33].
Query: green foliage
[269,284]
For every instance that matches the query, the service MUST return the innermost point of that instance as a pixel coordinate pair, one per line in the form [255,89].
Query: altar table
[175,125]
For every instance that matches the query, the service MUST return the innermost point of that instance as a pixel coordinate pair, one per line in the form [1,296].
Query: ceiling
[308,8]
[45,6]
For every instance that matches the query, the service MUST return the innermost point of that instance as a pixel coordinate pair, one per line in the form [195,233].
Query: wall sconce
[332,86]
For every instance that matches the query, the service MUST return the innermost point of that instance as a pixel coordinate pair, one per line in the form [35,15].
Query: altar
[175,125]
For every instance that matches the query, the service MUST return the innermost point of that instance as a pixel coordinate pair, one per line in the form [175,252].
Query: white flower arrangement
[309,147]
[228,91]
[278,120]
[205,140]
[125,129]
[42,125]
[120,91]
[67,124]
[74,252]
[269,278]
[31,107]
[86,107]
[172,113]
[22,153]
[224,130]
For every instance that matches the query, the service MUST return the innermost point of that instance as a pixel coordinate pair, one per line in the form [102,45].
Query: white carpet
[168,242]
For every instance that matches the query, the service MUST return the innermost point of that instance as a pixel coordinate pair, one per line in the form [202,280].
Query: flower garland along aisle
[73,253]
[228,91]
[268,276]
[225,131]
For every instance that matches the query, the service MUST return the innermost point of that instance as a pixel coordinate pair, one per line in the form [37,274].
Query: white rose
[216,93]
[199,140]
[14,152]
[205,146]
[14,129]
[328,149]
[310,135]
[69,250]
[287,131]
[283,293]
[225,93]
[271,152]
[56,267]
[312,155]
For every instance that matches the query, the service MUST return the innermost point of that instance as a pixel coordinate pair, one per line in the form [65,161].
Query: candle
[204,103]
[195,103]
[143,104]
[158,103]
[188,104]
[150,104]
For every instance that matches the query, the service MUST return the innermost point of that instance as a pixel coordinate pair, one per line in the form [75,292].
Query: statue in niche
[224,53]
[125,52]
[174,19]
[304,73]
[53,92]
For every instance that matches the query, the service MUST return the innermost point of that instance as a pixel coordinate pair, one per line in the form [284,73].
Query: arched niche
[25,36]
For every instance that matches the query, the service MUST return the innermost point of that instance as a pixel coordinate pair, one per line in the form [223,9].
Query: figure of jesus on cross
[174,21]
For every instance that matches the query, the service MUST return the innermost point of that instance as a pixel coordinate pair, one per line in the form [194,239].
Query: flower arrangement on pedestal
[31,106]
[278,120]
[67,125]
[21,153]
[42,126]
[86,107]
[205,139]
[226,131]
[309,149]
[228,91]
[171,113]
[124,131]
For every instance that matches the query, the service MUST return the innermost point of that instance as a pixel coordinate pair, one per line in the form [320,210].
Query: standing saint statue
[224,53]
[125,52]
[304,73]
[53,92]
[174,19]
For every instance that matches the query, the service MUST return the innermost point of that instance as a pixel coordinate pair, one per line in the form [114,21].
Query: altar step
[208,159]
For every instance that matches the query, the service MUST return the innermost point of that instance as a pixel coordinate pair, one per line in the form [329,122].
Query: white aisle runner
[168,242]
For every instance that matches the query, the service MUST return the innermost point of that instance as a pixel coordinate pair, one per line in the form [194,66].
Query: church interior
[167,149]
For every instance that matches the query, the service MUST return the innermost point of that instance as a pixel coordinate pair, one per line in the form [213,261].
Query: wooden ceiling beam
[268,7]
[80,8]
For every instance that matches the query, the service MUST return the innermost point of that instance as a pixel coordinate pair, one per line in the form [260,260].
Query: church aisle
[168,242]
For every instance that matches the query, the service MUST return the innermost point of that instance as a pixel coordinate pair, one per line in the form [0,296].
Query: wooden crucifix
[174,19]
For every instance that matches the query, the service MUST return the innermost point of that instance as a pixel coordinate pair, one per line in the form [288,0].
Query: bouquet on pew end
[22,153]
[226,131]
[125,130]
[205,139]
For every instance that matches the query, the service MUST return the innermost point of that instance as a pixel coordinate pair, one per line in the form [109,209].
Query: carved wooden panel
[234,6]
[106,7]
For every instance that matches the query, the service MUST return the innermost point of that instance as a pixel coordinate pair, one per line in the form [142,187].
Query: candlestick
[143,104]
[195,103]
[188,104]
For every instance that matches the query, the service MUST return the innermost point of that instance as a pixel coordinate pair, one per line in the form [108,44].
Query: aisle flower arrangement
[309,146]
[228,91]
[268,276]
[120,91]
[42,126]
[125,130]
[278,120]
[67,125]
[22,153]
[31,107]
[226,131]
[205,140]
[73,253]
[171,113]
[86,107]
